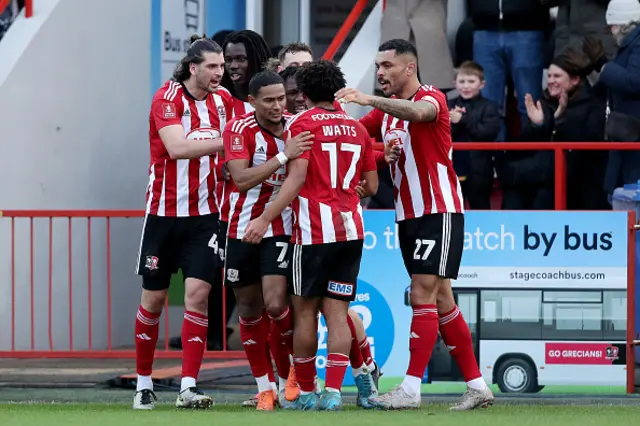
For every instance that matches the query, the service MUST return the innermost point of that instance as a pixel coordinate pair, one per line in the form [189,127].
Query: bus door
[442,367]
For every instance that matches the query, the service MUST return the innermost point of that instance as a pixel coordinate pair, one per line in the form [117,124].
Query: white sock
[187,382]
[357,371]
[477,384]
[144,382]
[371,367]
[282,383]
[273,386]
[263,383]
[318,387]
[332,390]
[412,385]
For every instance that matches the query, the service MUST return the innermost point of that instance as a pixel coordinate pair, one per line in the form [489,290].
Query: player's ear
[252,100]
[412,68]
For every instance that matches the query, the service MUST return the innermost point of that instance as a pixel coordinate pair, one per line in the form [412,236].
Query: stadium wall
[74,97]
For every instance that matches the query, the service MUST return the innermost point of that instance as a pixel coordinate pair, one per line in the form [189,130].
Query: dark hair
[294,47]
[580,63]
[319,80]
[471,68]
[262,79]
[402,47]
[289,72]
[573,63]
[272,64]
[195,55]
[221,36]
[257,53]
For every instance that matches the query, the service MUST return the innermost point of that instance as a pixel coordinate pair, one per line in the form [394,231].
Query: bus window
[572,315]
[615,315]
[510,314]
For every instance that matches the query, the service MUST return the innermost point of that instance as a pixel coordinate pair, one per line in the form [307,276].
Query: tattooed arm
[426,109]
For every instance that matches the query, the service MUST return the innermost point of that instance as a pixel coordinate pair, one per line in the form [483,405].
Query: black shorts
[246,264]
[432,244]
[172,243]
[326,270]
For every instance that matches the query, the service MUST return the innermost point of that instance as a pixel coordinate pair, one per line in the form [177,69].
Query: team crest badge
[151,263]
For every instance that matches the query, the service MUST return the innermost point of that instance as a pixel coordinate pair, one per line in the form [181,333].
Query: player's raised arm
[421,111]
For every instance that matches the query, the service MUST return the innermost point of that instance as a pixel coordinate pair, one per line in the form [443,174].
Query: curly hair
[319,80]
[289,72]
[258,53]
[195,55]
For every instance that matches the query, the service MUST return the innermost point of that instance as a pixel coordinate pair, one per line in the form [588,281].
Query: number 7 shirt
[328,209]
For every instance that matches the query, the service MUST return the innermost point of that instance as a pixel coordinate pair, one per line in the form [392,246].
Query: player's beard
[205,83]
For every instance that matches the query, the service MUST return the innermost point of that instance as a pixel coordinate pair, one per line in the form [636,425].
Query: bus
[527,338]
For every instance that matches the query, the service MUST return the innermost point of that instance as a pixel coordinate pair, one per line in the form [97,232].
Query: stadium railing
[93,221]
[28,7]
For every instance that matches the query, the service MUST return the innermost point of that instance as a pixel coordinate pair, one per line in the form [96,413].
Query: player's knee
[249,303]
[196,295]
[424,289]
[445,300]
[153,300]
[275,306]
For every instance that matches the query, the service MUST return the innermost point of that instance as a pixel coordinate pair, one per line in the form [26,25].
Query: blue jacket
[621,76]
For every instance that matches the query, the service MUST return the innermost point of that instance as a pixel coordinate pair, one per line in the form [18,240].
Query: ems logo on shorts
[340,289]
[237,143]
[168,110]
[151,263]
[232,275]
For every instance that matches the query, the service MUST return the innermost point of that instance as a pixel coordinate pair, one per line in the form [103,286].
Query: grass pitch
[499,415]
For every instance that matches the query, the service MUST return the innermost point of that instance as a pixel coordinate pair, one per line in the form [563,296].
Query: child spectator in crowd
[473,119]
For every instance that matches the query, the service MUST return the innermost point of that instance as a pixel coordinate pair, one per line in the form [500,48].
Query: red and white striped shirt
[238,108]
[245,139]
[328,209]
[423,177]
[184,187]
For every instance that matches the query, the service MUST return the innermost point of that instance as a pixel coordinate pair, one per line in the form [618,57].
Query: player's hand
[360,188]
[349,95]
[391,152]
[296,146]
[255,231]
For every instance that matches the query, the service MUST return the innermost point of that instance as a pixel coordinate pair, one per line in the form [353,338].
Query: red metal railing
[91,217]
[28,7]
[345,29]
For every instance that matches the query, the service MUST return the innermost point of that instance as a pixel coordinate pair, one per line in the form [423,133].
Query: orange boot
[266,401]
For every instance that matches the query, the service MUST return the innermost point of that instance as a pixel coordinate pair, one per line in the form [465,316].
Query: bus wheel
[516,375]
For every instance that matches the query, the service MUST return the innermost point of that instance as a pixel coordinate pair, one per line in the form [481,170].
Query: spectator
[620,78]
[423,23]
[473,119]
[571,112]
[509,39]
[578,19]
